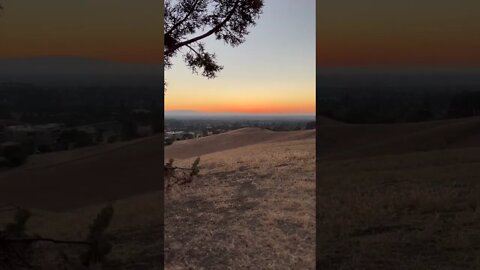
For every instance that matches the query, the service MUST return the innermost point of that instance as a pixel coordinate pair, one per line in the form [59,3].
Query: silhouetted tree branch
[212,31]
[186,21]
[178,24]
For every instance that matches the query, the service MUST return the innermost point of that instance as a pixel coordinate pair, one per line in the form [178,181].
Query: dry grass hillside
[252,207]
[135,231]
[85,176]
[229,140]
[65,190]
[346,141]
[404,196]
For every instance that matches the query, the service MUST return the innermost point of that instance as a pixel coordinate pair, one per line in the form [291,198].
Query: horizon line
[261,113]
[398,67]
[83,57]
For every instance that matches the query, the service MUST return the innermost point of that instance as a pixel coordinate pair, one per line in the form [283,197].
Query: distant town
[37,119]
[43,138]
[186,129]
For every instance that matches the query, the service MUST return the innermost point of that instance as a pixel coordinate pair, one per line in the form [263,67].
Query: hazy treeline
[206,125]
[74,105]
[399,98]
[392,107]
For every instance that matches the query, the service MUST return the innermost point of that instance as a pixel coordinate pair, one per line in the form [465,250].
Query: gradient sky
[272,72]
[396,33]
[121,30]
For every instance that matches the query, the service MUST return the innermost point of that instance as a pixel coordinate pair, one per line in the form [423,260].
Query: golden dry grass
[251,208]
[410,205]
[66,190]
[230,140]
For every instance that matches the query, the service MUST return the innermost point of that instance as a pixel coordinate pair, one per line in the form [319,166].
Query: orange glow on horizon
[124,58]
[111,30]
[150,53]
[244,108]
[377,33]
[262,75]
[337,56]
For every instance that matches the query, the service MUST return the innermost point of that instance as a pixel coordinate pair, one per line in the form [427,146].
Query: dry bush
[177,176]
[19,250]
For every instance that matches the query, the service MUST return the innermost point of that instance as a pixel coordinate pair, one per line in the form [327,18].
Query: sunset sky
[398,33]
[120,30]
[273,72]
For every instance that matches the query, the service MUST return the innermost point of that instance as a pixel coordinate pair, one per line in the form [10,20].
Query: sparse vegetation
[175,176]
[100,244]
[14,254]
[383,97]
[169,141]
[311,125]
[19,250]
[252,206]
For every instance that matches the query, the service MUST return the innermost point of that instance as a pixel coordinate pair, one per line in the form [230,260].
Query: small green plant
[178,175]
[169,141]
[18,249]
[100,245]
[195,169]
[15,254]
[17,228]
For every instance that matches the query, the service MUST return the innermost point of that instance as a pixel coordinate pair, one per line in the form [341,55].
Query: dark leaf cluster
[188,22]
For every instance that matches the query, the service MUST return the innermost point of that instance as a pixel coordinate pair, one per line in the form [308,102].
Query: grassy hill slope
[229,140]
[400,196]
[67,180]
[251,207]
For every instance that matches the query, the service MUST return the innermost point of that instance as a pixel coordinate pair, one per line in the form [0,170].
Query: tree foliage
[189,22]
[311,125]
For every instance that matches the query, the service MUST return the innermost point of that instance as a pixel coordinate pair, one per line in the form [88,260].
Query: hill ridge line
[91,155]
